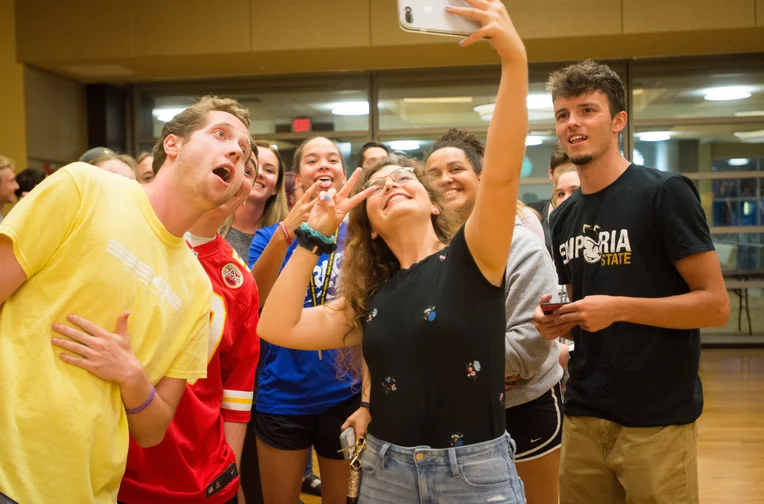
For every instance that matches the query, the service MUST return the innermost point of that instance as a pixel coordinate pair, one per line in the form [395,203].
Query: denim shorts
[479,473]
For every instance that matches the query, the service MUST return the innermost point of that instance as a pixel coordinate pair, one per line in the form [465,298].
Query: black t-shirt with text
[433,338]
[624,241]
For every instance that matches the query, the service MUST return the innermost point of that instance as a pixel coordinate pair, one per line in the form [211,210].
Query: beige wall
[56,120]
[97,40]
[12,116]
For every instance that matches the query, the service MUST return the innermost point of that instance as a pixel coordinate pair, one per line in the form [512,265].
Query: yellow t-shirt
[90,244]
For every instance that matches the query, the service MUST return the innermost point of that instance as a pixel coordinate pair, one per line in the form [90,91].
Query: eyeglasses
[401,176]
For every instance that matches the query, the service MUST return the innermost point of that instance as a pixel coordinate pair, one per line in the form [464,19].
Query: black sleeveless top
[433,338]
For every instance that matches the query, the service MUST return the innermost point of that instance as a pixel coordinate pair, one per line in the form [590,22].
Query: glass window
[740,252]
[298,105]
[437,99]
[698,88]
[688,148]
[458,98]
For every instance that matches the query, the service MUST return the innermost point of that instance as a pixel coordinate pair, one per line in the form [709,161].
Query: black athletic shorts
[536,426]
[299,432]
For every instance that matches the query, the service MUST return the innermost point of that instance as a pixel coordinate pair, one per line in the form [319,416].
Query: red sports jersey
[194,464]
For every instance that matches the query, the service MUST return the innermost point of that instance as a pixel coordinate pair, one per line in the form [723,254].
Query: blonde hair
[521,208]
[276,207]
[6,162]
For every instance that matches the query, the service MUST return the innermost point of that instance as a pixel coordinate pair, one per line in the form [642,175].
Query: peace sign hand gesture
[332,206]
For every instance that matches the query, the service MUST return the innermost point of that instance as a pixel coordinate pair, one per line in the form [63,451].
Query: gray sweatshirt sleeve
[530,274]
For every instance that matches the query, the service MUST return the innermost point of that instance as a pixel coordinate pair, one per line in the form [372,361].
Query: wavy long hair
[368,263]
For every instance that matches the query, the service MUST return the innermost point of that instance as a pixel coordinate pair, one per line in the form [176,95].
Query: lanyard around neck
[327,278]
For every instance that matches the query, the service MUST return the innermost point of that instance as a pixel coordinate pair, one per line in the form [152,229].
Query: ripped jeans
[472,474]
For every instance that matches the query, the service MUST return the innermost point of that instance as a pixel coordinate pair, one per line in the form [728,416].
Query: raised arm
[489,229]
[284,321]
[267,262]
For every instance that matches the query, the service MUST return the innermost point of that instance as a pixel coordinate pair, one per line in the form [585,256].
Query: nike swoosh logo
[534,440]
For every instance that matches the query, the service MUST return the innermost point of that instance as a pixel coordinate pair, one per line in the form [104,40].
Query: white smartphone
[430,16]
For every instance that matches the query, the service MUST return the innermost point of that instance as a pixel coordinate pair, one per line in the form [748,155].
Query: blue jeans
[480,473]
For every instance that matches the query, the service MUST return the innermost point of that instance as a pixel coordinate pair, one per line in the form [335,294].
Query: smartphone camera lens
[409,15]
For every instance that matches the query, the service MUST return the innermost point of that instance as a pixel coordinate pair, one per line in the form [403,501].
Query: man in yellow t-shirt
[104,311]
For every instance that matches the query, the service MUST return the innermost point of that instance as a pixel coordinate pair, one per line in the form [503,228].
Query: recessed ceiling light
[351,108]
[727,93]
[750,136]
[737,162]
[404,145]
[443,99]
[533,140]
[165,114]
[486,108]
[655,136]
[750,113]
[539,101]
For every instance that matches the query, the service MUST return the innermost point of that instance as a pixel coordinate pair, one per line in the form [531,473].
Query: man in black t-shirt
[633,247]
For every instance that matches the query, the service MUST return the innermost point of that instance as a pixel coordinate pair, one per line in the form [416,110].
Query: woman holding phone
[428,306]
[533,397]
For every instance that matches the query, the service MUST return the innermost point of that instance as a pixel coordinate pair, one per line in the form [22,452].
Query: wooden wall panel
[536,19]
[81,29]
[651,16]
[174,27]
[309,24]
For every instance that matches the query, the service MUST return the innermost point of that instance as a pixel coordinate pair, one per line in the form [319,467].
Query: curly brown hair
[368,263]
[467,142]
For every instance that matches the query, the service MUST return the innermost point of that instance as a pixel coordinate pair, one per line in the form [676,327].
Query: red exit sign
[301,126]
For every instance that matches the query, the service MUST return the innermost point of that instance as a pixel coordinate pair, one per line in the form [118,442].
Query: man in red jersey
[199,457]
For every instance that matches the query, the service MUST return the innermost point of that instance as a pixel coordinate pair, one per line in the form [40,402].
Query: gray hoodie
[530,274]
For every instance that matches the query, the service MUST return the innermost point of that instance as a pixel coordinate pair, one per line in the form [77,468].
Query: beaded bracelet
[144,405]
[284,230]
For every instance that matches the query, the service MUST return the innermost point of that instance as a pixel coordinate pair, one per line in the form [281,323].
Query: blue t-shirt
[298,382]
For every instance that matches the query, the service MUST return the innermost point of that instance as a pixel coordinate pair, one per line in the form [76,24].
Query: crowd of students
[402,298]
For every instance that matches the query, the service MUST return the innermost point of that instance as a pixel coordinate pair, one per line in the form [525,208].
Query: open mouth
[395,198]
[223,172]
[325,182]
[577,139]
[259,185]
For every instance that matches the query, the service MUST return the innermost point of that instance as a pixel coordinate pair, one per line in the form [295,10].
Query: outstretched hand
[332,206]
[496,26]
